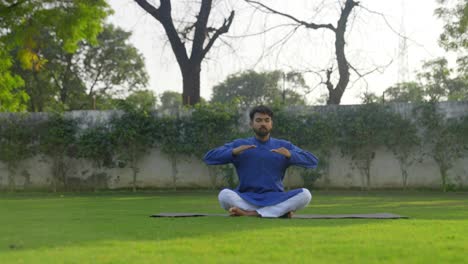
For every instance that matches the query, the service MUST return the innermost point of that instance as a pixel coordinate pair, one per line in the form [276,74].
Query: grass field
[114,227]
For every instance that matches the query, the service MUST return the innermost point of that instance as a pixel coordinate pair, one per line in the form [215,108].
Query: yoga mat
[298,216]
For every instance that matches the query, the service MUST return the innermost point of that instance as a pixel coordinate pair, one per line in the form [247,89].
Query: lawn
[114,227]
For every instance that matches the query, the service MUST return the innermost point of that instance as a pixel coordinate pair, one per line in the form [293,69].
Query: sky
[373,39]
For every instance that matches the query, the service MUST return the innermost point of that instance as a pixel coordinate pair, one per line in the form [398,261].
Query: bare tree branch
[221,30]
[390,26]
[163,15]
[301,22]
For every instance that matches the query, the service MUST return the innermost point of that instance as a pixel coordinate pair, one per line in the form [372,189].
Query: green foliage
[361,132]
[112,63]
[143,100]
[95,144]
[401,137]
[446,139]
[407,92]
[23,24]
[213,125]
[12,98]
[58,136]
[86,79]
[455,17]
[357,130]
[170,99]
[253,88]
[17,143]
[173,139]
[311,131]
[133,134]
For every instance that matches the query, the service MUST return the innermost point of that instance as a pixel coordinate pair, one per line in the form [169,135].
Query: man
[261,162]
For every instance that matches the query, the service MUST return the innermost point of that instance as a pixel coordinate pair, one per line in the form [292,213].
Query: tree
[113,63]
[170,100]
[360,132]
[438,82]
[143,100]
[253,88]
[22,24]
[406,92]
[455,38]
[401,137]
[87,78]
[58,141]
[445,138]
[203,38]
[133,136]
[455,17]
[335,91]
[16,144]
[95,144]
[12,98]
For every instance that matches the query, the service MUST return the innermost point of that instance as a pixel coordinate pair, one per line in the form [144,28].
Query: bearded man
[261,162]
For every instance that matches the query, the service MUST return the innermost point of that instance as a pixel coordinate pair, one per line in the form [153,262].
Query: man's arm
[297,156]
[225,154]
[220,155]
[302,158]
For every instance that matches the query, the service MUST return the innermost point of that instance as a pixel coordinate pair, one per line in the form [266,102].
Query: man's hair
[260,109]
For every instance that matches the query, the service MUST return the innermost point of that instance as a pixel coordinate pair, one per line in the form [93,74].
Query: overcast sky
[372,42]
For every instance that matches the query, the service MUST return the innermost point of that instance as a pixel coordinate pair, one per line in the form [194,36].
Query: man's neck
[263,139]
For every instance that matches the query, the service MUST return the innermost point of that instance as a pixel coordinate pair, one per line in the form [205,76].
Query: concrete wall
[156,168]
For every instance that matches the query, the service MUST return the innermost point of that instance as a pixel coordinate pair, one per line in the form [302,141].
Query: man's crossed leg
[237,206]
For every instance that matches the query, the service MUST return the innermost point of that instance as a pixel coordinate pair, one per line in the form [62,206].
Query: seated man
[261,162]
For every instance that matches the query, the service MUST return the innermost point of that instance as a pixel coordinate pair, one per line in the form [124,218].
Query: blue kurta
[260,170]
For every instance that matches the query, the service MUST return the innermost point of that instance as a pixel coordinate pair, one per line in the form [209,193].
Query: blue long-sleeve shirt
[261,171]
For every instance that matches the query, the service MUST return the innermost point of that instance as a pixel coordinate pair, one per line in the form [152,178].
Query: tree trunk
[201,43]
[11,179]
[66,81]
[191,84]
[135,171]
[174,171]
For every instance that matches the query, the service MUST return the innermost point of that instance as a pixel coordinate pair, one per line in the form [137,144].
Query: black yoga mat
[298,216]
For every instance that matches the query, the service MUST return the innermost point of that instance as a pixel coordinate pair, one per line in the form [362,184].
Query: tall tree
[455,38]
[439,83]
[407,92]
[170,100]
[113,63]
[12,98]
[22,24]
[143,100]
[337,90]
[202,38]
[84,79]
[253,88]
[455,16]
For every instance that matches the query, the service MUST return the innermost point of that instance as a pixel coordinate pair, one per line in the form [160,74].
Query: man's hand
[283,151]
[241,149]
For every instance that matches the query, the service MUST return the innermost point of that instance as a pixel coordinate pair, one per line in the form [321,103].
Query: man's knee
[306,196]
[225,195]
[225,198]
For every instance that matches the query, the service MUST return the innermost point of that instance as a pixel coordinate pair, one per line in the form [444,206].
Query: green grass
[114,227]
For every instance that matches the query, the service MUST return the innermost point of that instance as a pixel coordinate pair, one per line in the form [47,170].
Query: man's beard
[262,131]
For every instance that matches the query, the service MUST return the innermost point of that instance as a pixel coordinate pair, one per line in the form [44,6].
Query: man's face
[261,124]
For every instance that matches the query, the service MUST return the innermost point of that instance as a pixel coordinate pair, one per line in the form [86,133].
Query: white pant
[228,198]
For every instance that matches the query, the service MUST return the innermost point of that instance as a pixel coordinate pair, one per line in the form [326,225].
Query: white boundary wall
[156,168]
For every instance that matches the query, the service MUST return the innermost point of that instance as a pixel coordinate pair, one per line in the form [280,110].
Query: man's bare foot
[287,215]
[234,211]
